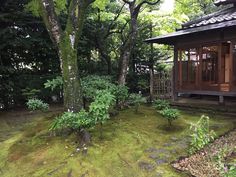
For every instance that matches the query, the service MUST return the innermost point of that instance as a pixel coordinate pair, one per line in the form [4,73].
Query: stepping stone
[160,161]
[154,156]
[146,166]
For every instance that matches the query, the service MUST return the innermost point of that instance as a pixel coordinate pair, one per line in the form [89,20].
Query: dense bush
[37,104]
[170,114]
[99,109]
[121,93]
[161,104]
[201,134]
[136,100]
[72,121]
[98,114]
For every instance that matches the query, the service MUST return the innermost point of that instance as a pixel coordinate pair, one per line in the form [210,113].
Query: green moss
[127,140]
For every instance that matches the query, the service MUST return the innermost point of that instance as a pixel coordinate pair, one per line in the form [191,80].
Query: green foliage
[30,93]
[72,121]
[161,104]
[54,83]
[98,113]
[37,104]
[136,100]
[201,135]
[101,4]
[99,109]
[33,6]
[170,114]
[93,83]
[121,93]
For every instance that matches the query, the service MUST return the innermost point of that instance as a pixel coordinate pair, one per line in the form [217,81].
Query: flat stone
[160,161]
[154,156]
[167,144]
[146,166]
[151,149]
[173,138]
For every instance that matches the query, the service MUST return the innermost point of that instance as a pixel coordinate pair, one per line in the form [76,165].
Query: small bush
[121,93]
[37,104]
[170,114]
[72,121]
[136,100]
[161,104]
[201,135]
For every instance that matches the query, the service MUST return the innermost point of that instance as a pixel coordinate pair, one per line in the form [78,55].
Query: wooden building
[205,53]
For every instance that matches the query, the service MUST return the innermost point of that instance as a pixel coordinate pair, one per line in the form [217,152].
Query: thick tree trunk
[72,88]
[123,67]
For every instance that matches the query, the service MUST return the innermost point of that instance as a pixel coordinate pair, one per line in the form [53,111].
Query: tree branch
[138,7]
[128,2]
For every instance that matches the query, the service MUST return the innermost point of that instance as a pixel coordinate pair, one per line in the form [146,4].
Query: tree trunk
[128,46]
[72,87]
[151,67]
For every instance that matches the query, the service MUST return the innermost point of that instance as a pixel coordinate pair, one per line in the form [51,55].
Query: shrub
[121,93]
[136,100]
[99,109]
[72,121]
[161,104]
[37,104]
[29,93]
[201,135]
[170,114]
[54,83]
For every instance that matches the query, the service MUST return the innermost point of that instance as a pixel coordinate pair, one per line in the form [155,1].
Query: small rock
[146,166]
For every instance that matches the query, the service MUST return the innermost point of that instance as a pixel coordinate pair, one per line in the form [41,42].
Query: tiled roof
[223,2]
[218,17]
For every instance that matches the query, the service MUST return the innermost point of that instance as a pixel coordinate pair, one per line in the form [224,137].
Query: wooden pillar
[221,100]
[200,69]
[175,76]
[220,65]
[180,69]
[231,66]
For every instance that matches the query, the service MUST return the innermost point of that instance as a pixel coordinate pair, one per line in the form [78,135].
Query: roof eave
[171,39]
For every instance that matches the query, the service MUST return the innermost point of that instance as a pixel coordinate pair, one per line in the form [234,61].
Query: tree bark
[66,43]
[151,67]
[128,46]
[70,75]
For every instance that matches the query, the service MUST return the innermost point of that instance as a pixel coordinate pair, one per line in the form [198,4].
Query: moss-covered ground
[132,145]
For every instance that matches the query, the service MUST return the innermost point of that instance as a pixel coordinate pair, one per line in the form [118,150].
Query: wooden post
[231,66]
[180,69]
[220,63]
[200,68]
[175,76]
